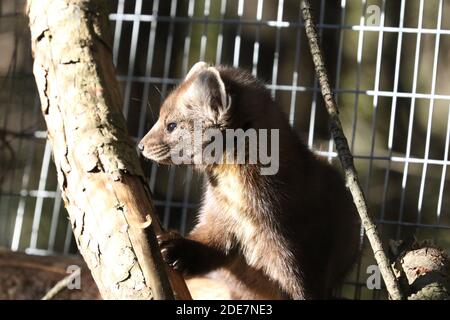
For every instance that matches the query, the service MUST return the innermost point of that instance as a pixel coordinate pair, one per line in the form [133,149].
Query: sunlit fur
[289,235]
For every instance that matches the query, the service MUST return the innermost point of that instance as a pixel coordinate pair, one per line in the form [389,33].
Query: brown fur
[289,235]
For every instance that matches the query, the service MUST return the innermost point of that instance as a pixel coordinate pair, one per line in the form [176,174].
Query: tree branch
[61,285]
[345,155]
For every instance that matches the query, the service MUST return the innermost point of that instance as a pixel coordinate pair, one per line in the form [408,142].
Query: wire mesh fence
[388,61]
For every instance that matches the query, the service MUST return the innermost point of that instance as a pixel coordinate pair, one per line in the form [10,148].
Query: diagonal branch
[345,155]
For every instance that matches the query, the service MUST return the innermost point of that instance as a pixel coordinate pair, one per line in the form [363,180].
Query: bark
[423,271]
[102,183]
[345,155]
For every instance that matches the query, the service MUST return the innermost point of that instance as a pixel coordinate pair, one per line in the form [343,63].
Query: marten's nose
[141,147]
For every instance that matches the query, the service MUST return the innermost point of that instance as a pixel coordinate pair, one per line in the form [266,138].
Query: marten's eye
[171,126]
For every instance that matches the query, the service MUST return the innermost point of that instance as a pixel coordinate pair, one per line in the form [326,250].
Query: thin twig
[345,155]
[61,285]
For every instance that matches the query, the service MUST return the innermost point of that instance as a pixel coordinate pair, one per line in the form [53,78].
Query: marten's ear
[208,90]
[196,68]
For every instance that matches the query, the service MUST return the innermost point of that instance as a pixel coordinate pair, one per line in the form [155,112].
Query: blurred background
[388,62]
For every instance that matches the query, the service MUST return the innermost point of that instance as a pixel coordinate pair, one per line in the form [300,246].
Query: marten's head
[198,104]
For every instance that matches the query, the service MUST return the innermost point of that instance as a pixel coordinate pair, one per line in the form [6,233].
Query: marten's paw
[173,249]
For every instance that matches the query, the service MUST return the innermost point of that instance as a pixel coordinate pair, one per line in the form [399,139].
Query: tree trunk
[102,183]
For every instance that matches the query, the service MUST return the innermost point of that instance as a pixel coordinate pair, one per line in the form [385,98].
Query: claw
[172,264]
[177,265]
[169,246]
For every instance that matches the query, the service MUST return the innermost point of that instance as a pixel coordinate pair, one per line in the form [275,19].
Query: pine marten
[289,235]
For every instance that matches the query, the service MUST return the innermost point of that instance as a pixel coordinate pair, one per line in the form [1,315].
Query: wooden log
[101,180]
[423,270]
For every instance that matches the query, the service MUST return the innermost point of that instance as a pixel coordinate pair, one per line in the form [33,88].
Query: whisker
[158,148]
[152,115]
[160,156]
[157,89]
